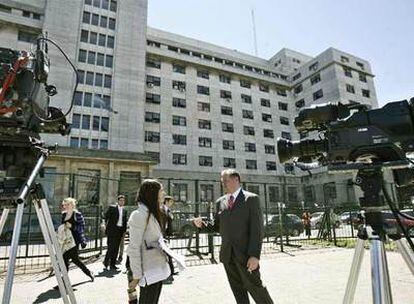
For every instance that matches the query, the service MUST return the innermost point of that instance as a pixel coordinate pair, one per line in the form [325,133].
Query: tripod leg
[354,273]
[406,253]
[13,254]
[3,219]
[381,289]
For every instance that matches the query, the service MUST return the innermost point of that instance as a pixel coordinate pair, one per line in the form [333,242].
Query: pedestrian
[116,223]
[146,262]
[306,220]
[73,220]
[167,219]
[239,219]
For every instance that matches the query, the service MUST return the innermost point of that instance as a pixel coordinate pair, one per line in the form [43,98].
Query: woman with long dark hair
[148,264]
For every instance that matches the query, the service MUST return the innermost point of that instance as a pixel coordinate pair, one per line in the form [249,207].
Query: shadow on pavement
[107,273]
[49,295]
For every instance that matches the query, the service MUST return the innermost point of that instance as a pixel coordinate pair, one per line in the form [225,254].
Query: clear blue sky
[380,31]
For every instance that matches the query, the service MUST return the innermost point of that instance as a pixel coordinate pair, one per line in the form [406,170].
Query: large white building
[194,106]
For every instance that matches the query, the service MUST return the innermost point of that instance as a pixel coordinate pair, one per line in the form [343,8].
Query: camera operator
[240,222]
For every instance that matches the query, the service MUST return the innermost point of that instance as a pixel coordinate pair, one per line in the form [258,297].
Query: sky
[380,31]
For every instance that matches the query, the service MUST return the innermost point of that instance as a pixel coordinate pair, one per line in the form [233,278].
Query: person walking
[239,219]
[116,223]
[147,264]
[306,220]
[73,220]
[167,219]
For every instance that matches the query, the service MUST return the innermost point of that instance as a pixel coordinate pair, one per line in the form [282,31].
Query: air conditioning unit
[181,89]
[150,84]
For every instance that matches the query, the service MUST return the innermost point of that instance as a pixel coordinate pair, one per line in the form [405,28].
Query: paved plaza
[313,276]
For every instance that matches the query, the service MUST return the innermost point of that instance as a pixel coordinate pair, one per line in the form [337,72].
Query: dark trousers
[73,255]
[150,294]
[243,282]
[113,241]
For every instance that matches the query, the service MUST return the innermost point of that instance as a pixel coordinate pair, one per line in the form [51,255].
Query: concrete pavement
[312,276]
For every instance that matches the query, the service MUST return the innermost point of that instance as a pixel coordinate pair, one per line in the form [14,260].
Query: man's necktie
[231,202]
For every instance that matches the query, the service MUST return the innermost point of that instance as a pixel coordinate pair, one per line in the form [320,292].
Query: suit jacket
[241,228]
[111,219]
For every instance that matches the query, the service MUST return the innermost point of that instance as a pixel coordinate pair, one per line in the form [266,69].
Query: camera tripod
[34,192]
[370,181]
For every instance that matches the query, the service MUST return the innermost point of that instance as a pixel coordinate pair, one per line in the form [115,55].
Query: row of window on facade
[24,13]
[96,58]
[351,89]
[348,73]
[96,100]
[97,39]
[95,79]
[93,143]
[103,4]
[181,86]
[217,59]
[84,122]
[181,102]
[315,95]
[154,117]
[98,20]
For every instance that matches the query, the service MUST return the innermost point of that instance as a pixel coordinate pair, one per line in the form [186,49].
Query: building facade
[193,106]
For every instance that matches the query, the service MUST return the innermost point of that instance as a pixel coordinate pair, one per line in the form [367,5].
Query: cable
[395,213]
[76,84]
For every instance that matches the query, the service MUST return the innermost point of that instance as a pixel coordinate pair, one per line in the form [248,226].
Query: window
[87,100]
[93,37]
[129,181]
[178,85]
[245,83]
[347,72]
[283,106]
[205,161]
[248,114]
[26,14]
[106,101]
[247,130]
[98,79]
[360,65]
[265,102]
[286,135]
[177,68]
[251,164]
[82,56]
[81,75]
[350,88]
[229,162]
[86,17]
[105,124]
[103,144]
[98,101]
[179,159]
[274,194]
[74,142]
[298,89]
[204,142]
[315,79]
[95,19]
[112,7]
[152,136]
[179,121]
[314,66]
[84,143]
[91,57]
[154,44]
[246,98]
[268,133]
[203,90]
[179,192]
[111,23]
[100,59]
[271,166]
[227,127]
[292,194]
[309,193]
[329,190]
[228,145]
[300,103]
[84,36]
[5,9]
[224,78]
[103,22]
[281,92]
[153,98]
[203,74]
[296,77]
[225,94]
[97,3]
[86,122]
[179,139]
[109,61]
[267,117]
[226,111]
[76,121]
[78,98]
[102,40]
[269,149]
[207,193]
[318,94]
[95,123]
[89,78]
[110,41]
[153,155]
[26,36]
[108,81]
[250,147]
[344,59]
[284,121]
[153,81]
[203,106]
[178,102]
[365,93]
[152,117]
[95,143]
[362,77]
[204,124]
[263,87]
[172,48]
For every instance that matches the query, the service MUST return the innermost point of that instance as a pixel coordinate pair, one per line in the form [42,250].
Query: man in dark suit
[116,223]
[240,222]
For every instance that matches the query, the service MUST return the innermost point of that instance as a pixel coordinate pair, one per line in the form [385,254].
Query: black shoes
[91,275]
[113,267]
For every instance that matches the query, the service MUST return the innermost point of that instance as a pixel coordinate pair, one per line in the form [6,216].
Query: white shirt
[120,211]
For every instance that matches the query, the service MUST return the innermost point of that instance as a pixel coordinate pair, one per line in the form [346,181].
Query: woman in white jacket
[147,262]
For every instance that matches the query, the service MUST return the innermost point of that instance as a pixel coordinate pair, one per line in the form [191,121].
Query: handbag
[65,238]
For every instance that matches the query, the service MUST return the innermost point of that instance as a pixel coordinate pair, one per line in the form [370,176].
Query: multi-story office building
[194,106]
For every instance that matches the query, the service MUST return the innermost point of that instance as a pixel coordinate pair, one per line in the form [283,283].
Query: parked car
[316,220]
[348,217]
[182,225]
[292,225]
